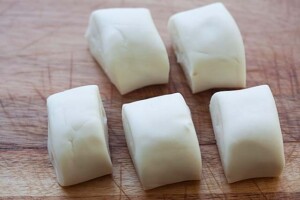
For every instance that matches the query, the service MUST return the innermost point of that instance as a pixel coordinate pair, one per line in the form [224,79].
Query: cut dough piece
[77,135]
[127,45]
[162,140]
[248,133]
[209,47]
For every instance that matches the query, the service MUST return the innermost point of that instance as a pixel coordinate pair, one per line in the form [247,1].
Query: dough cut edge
[129,137]
[181,58]
[215,112]
[51,150]
[128,132]
[103,119]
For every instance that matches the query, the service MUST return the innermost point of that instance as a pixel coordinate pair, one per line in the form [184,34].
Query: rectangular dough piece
[77,135]
[209,47]
[248,133]
[127,45]
[162,140]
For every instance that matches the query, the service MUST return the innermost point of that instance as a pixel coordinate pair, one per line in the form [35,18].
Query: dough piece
[127,45]
[209,47]
[162,140]
[77,135]
[248,133]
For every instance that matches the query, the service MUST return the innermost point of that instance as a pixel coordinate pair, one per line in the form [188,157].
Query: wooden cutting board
[43,51]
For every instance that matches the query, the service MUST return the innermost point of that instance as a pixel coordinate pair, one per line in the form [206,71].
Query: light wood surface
[43,51]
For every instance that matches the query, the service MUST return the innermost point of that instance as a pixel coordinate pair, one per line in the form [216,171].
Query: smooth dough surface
[162,140]
[127,45]
[77,135]
[209,46]
[248,134]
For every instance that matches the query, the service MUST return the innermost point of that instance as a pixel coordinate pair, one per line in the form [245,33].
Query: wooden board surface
[43,51]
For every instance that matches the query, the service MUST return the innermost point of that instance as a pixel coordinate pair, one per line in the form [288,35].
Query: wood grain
[43,51]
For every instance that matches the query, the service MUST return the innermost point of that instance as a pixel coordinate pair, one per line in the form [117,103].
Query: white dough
[209,47]
[248,133]
[127,45]
[162,140]
[77,135]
